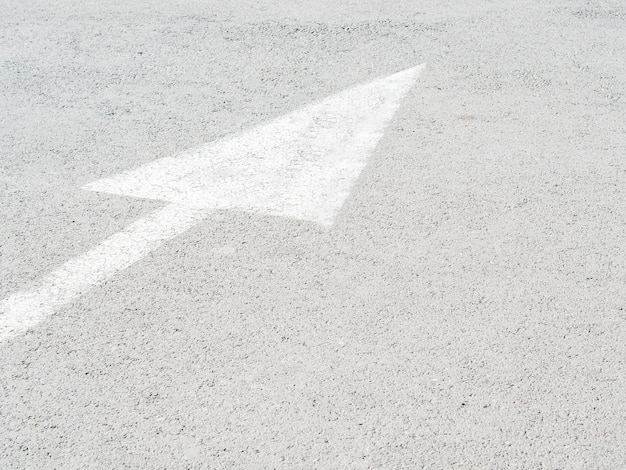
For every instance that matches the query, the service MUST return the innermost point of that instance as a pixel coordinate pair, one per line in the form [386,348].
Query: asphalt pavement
[466,308]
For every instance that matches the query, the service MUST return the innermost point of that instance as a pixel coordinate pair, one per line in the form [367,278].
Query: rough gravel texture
[467,310]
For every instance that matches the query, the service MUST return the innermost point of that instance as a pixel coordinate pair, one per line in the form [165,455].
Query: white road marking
[25,309]
[301,165]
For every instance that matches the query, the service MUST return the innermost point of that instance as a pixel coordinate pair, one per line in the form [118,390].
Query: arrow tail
[25,309]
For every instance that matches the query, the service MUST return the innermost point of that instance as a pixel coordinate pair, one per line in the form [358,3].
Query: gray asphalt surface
[467,309]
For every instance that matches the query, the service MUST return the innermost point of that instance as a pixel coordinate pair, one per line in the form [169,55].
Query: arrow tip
[409,74]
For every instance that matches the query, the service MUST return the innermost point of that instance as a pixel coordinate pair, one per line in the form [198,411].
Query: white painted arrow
[301,165]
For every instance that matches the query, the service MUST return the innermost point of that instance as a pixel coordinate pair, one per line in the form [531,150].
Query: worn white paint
[301,165]
[25,309]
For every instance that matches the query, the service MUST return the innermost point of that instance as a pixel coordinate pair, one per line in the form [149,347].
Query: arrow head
[300,165]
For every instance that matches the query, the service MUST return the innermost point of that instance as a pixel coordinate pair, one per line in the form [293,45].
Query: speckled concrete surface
[467,309]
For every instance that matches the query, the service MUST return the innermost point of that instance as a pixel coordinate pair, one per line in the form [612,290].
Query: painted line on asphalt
[301,165]
[23,310]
